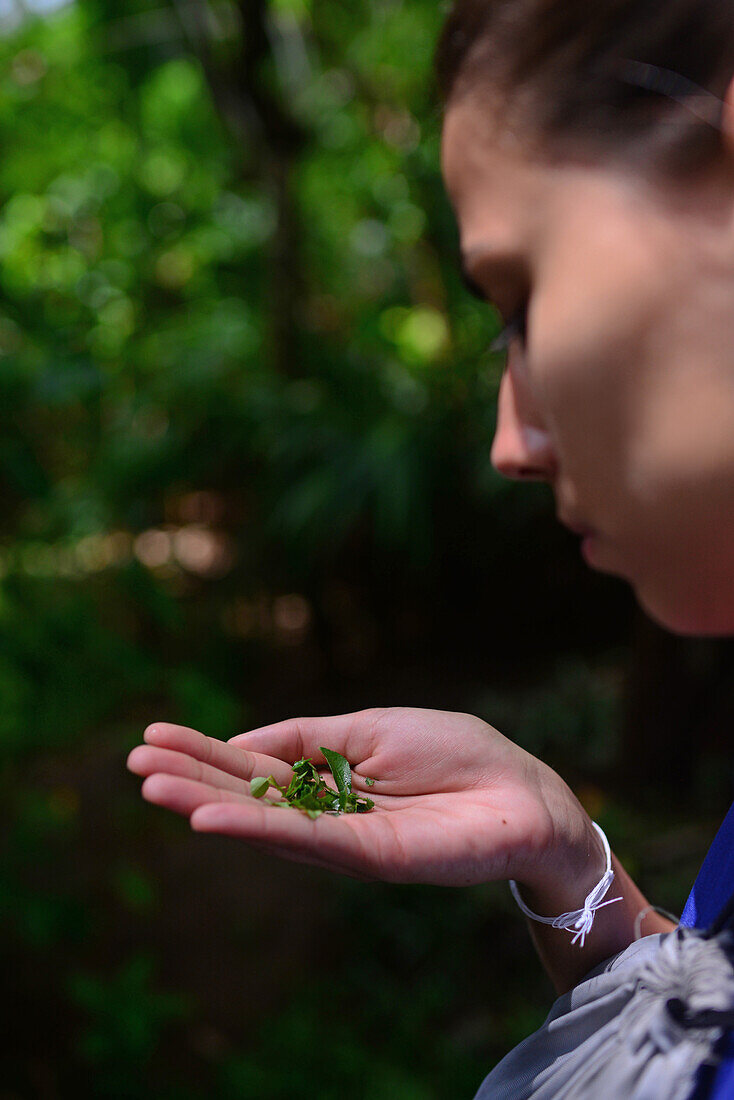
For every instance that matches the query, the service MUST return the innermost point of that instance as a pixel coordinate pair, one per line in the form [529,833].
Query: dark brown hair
[553,68]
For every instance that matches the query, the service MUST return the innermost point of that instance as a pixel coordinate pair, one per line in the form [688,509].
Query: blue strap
[715,881]
[710,905]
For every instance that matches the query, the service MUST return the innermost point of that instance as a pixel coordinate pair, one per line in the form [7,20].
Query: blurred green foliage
[245,423]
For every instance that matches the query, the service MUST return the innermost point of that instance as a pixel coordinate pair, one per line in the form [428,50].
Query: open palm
[456,803]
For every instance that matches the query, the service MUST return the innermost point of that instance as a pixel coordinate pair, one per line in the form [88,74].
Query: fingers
[330,842]
[353,735]
[146,760]
[183,796]
[207,751]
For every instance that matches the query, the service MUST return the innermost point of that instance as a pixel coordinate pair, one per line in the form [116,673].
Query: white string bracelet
[579,922]
[652,909]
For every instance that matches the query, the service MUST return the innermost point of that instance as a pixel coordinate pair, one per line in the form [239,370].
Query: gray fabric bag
[638,1027]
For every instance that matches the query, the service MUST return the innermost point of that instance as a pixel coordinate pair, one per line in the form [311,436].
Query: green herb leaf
[339,768]
[308,792]
[258,786]
[369,782]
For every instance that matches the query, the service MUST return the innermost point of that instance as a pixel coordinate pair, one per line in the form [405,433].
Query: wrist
[560,873]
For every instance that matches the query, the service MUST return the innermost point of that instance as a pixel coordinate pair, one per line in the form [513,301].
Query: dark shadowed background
[246,411]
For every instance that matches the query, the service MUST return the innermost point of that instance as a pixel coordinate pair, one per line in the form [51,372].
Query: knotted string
[579,921]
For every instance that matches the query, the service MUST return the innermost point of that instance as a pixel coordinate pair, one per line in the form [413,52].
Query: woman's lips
[587,548]
[588,536]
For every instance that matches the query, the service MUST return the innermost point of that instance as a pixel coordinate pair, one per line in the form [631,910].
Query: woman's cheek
[684,438]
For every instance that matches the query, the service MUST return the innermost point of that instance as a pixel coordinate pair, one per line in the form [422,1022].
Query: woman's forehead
[493,188]
[508,200]
[466,145]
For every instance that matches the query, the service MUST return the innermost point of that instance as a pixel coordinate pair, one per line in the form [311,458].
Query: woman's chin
[705,619]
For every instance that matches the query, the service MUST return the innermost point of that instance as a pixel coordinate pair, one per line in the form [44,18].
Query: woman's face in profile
[622,396]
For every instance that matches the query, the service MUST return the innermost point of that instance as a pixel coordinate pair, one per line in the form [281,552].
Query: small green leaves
[369,782]
[308,793]
[258,786]
[339,769]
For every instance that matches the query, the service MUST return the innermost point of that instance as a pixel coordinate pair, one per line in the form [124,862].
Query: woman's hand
[456,803]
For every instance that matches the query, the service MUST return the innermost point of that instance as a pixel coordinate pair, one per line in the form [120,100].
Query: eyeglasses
[700,102]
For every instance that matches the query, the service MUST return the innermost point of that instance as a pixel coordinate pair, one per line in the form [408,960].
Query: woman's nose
[522,447]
